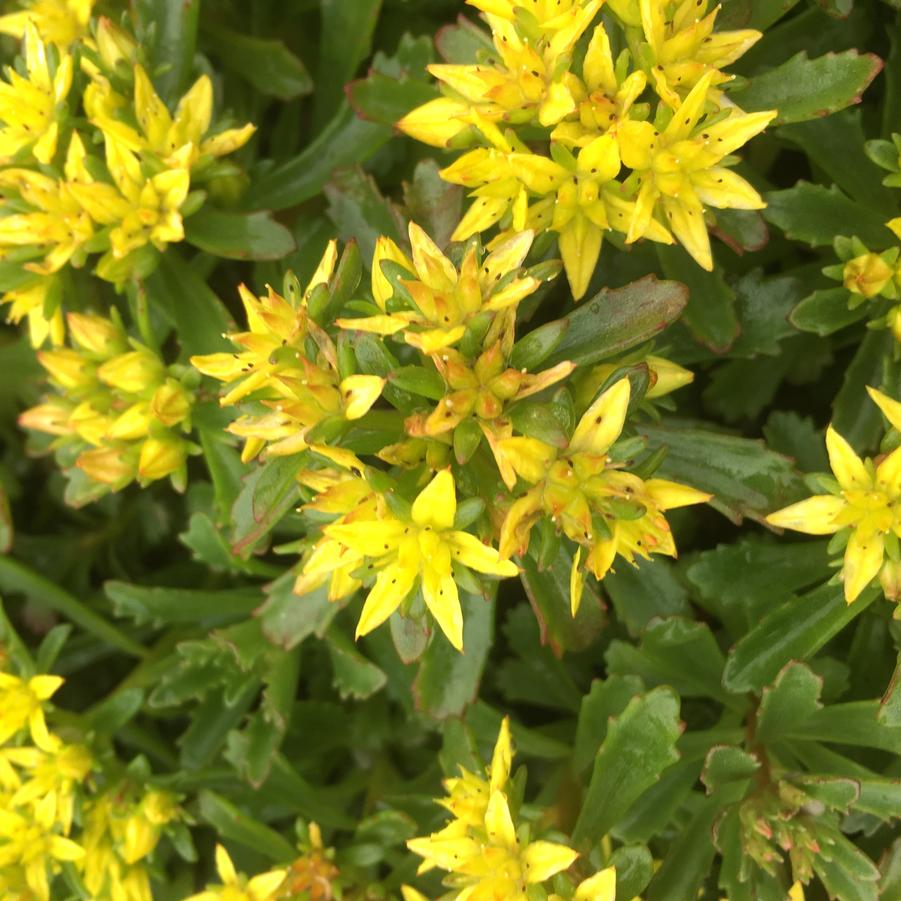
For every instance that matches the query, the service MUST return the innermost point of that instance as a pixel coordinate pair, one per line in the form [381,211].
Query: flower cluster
[437,343]
[485,852]
[556,139]
[862,509]
[119,414]
[61,199]
[56,810]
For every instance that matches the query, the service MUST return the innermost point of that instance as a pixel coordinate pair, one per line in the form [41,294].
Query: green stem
[15,576]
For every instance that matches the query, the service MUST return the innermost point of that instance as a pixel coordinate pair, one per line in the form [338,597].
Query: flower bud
[867,275]
[670,376]
[135,372]
[114,45]
[111,466]
[96,334]
[171,403]
[51,417]
[890,579]
[90,424]
[68,369]
[161,456]
[131,425]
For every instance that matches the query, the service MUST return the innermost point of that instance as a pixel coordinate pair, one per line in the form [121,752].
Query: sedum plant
[398,388]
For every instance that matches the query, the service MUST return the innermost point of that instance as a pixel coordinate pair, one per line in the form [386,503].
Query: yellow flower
[419,549]
[485,854]
[685,48]
[666,377]
[600,507]
[178,141]
[38,302]
[29,106]
[53,773]
[144,825]
[273,368]
[56,225]
[441,301]
[61,22]
[235,887]
[30,843]
[866,502]
[21,705]
[682,169]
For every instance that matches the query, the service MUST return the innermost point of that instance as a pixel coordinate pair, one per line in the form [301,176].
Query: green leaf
[854,416]
[743,581]
[826,311]
[710,314]
[360,212]
[647,590]
[17,578]
[175,38]
[353,675]
[791,699]
[617,319]
[759,14]
[267,494]
[6,523]
[845,871]
[448,681]
[234,824]
[890,706]
[794,631]
[854,723]
[676,652]
[638,747]
[804,88]
[836,145]
[548,593]
[814,215]
[114,711]
[344,42]
[199,316]
[688,861]
[433,203]
[745,478]
[634,868]
[606,699]
[267,65]
[763,305]
[726,764]
[239,236]
[287,618]
[170,606]
[345,141]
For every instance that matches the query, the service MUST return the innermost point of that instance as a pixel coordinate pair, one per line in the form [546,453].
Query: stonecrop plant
[395,390]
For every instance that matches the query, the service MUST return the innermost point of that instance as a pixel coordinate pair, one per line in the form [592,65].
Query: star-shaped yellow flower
[867,501]
[236,887]
[419,550]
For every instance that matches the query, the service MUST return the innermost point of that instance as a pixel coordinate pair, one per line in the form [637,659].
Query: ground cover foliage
[493,402]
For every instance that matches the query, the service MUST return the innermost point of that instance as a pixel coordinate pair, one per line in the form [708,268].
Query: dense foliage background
[723,724]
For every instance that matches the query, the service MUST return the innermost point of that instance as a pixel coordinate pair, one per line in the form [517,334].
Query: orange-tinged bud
[96,334]
[171,403]
[135,372]
[890,579]
[52,418]
[131,425]
[111,466]
[867,275]
[507,384]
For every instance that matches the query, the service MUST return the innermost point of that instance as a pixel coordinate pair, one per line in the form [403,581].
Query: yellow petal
[475,554]
[224,866]
[359,393]
[541,860]
[580,246]
[529,457]
[600,158]
[670,495]
[846,465]
[391,587]
[436,505]
[685,218]
[439,590]
[888,473]
[891,409]
[436,123]
[723,189]
[499,822]
[815,516]
[603,421]
[863,560]
[502,757]
[600,887]
[386,250]
[576,583]
[432,266]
